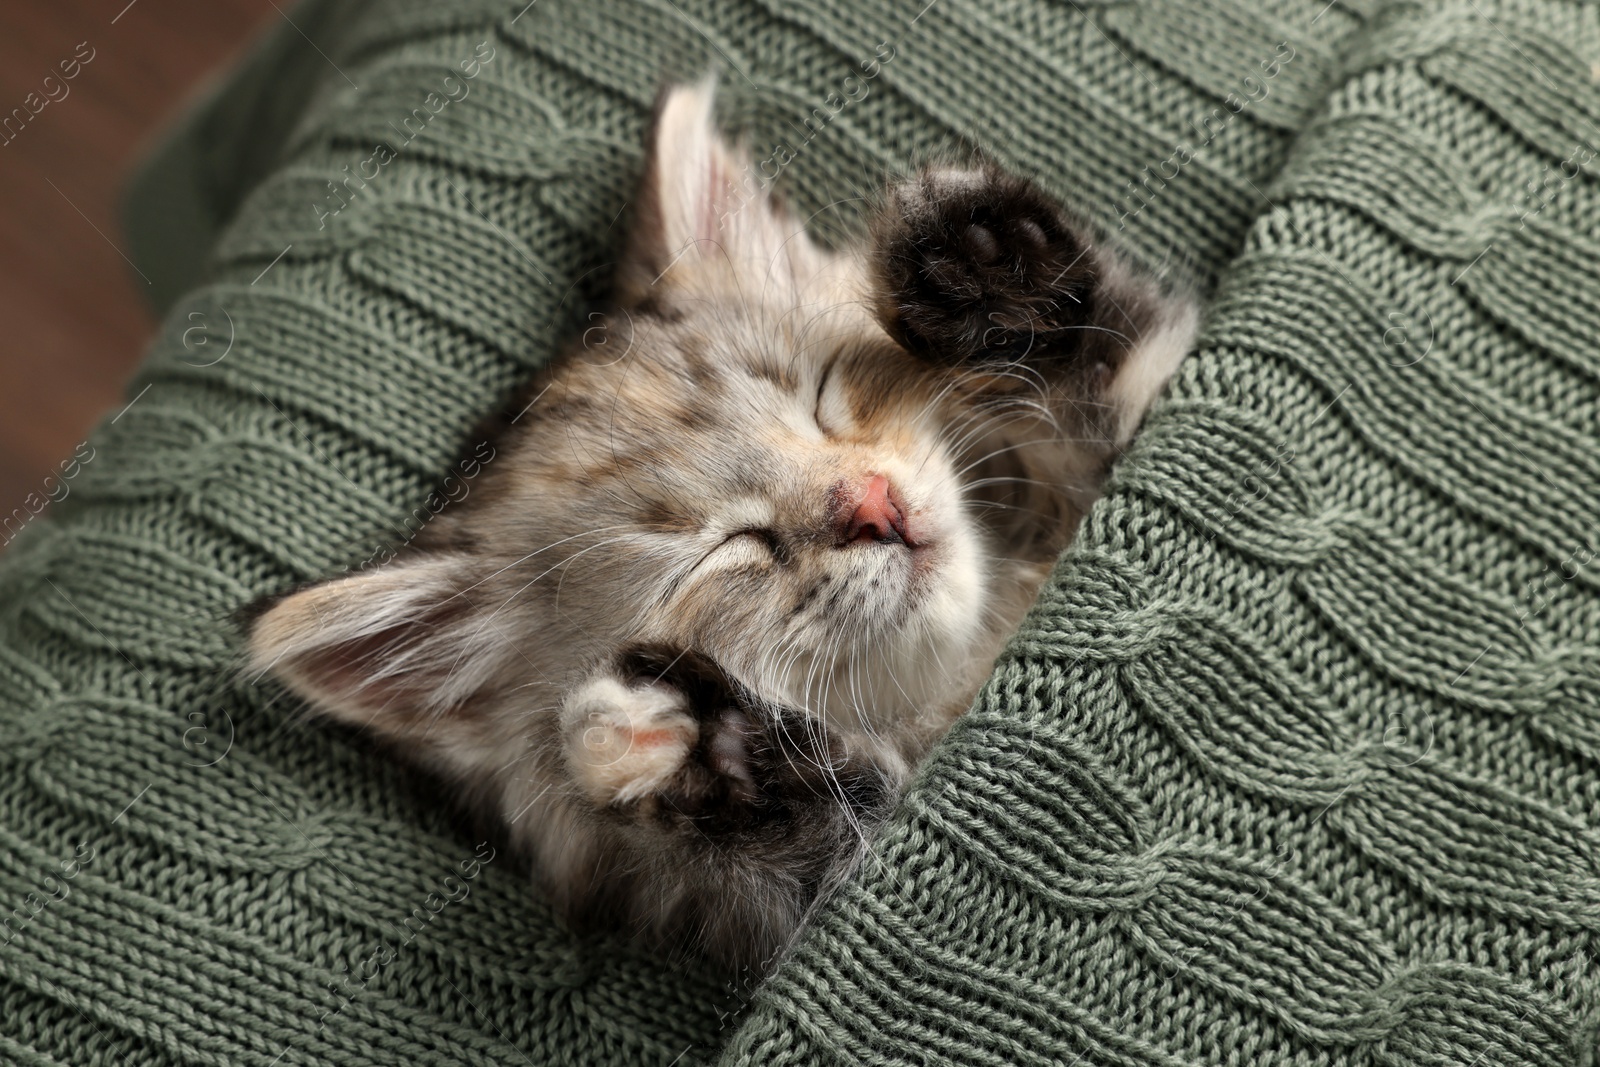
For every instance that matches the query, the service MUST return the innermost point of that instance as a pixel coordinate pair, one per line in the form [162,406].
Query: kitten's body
[742,563]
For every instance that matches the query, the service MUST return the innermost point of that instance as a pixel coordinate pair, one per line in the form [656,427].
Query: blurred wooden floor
[72,322]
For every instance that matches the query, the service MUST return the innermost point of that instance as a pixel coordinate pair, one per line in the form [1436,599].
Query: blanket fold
[1296,759]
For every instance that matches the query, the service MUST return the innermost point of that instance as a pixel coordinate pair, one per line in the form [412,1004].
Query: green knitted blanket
[1297,760]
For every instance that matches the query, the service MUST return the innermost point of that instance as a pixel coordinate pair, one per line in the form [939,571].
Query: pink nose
[876,517]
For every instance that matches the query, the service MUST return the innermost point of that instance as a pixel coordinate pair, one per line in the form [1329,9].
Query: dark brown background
[73,322]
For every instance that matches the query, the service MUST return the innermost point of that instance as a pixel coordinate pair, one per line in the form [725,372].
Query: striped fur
[647,642]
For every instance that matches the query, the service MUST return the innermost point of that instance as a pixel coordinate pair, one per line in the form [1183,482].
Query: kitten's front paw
[719,817]
[670,737]
[981,265]
[662,736]
[627,739]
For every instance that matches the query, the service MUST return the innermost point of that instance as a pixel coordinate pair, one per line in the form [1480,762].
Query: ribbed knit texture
[1297,760]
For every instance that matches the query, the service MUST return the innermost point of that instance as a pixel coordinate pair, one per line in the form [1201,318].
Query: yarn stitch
[1296,760]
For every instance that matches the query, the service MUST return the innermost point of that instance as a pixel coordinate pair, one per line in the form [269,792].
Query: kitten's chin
[945,595]
[931,652]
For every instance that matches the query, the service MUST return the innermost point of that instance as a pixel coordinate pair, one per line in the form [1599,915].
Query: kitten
[738,568]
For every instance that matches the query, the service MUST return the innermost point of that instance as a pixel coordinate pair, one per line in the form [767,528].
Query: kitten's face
[777,487]
[742,461]
[757,472]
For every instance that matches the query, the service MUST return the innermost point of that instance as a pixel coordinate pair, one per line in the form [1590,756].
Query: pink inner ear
[352,669]
[348,669]
[716,193]
[700,206]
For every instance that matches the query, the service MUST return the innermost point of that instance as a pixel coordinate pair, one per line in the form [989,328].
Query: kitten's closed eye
[832,411]
[718,595]
[761,540]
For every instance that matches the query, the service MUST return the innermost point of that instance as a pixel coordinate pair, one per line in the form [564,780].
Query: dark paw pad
[757,769]
[976,265]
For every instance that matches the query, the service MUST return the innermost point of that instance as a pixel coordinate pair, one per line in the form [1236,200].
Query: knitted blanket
[1296,760]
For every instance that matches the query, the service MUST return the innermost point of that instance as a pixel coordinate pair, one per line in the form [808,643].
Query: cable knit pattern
[1295,761]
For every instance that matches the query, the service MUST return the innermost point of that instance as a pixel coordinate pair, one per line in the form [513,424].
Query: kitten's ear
[401,649]
[702,215]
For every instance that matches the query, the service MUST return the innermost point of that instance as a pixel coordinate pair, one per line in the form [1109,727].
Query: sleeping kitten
[741,566]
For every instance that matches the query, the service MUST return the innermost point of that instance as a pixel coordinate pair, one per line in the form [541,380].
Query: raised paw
[981,265]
